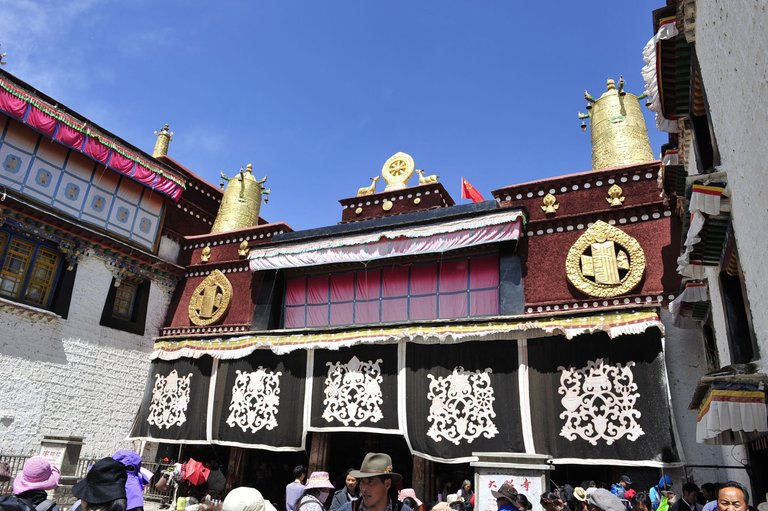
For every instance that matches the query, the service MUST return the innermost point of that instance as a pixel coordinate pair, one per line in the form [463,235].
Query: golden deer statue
[425,180]
[368,190]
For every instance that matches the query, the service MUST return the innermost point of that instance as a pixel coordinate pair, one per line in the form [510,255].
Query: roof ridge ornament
[397,170]
[619,134]
[164,137]
[241,203]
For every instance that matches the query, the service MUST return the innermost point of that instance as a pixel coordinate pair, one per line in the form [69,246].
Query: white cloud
[41,50]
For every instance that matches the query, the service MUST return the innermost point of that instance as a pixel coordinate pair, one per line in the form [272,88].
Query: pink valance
[121,163]
[435,238]
[69,136]
[56,124]
[142,174]
[41,121]
[12,105]
[96,150]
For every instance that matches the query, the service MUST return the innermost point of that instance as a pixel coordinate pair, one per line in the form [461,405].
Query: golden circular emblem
[397,170]
[387,205]
[210,300]
[605,262]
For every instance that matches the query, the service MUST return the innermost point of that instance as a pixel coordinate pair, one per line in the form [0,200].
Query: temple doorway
[347,450]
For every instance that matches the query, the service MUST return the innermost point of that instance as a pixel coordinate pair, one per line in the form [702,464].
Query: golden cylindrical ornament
[618,130]
[241,203]
[164,137]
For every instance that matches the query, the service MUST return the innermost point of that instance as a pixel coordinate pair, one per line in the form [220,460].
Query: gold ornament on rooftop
[164,137]
[618,131]
[549,204]
[397,170]
[425,180]
[210,300]
[605,262]
[615,196]
[241,203]
[370,189]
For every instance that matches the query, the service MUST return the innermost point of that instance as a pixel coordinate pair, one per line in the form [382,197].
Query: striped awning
[410,241]
[732,412]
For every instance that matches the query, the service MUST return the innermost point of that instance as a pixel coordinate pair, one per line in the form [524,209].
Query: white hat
[246,499]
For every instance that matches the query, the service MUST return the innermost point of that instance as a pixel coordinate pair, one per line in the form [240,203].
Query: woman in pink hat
[316,493]
[35,478]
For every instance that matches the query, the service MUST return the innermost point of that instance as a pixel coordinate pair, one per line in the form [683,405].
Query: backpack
[14,503]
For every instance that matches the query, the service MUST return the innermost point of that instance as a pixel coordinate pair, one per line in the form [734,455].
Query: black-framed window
[738,317]
[705,144]
[126,306]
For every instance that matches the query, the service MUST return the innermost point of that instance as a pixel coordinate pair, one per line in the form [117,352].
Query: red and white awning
[426,239]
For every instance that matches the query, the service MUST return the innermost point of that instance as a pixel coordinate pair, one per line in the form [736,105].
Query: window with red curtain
[454,288]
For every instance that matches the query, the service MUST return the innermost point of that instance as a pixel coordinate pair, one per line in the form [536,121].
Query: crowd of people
[116,483]
[592,496]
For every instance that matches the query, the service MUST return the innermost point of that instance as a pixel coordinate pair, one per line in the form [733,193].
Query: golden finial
[164,137]
[241,203]
[618,131]
[549,204]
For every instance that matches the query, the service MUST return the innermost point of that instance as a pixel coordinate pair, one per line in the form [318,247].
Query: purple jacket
[134,485]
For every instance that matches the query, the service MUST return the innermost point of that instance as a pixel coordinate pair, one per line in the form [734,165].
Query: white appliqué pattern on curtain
[170,398]
[599,402]
[255,400]
[353,392]
[462,406]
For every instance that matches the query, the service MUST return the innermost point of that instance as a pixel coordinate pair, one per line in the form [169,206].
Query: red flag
[468,191]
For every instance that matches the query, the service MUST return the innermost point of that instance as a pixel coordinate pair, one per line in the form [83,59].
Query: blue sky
[318,94]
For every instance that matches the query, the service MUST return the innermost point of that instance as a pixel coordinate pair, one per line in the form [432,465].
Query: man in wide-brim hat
[506,497]
[375,478]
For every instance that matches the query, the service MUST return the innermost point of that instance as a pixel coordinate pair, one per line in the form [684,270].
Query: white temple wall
[686,363]
[731,44]
[168,249]
[73,376]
